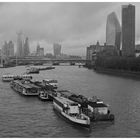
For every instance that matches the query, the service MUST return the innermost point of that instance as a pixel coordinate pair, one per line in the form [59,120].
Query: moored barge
[25,88]
[32,70]
[47,68]
[9,77]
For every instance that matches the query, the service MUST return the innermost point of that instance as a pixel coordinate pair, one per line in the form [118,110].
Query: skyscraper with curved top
[113,31]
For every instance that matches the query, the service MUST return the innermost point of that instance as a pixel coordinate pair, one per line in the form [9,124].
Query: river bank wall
[122,73]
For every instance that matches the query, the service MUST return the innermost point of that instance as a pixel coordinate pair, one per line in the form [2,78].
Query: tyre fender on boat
[111,117]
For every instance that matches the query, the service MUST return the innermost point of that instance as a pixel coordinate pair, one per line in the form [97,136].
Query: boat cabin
[8,77]
[24,87]
[98,107]
[69,107]
[51,82]
[26,77]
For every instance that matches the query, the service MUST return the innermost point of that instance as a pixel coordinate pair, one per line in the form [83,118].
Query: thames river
[29,117]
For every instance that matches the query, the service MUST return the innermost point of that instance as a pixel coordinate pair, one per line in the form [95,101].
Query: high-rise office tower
[57,49]
[113,31]
[26,47]
[39,51]
[128,30]
[5,49]
[11,48]
[19,44]
[8,48]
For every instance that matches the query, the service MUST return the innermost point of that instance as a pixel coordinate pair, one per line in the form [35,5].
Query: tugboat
[93,107]
[71,111]
[99,111]
[45,94]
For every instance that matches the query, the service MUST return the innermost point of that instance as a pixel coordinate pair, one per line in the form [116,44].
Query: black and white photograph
[69,69]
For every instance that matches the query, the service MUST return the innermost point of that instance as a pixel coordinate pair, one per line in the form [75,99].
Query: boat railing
[78,116]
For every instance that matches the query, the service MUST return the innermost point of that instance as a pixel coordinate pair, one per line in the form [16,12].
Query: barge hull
[58,111]
[24,94]
[67,120]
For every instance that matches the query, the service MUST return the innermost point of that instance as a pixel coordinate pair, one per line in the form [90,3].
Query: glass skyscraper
[113,31]
[57,49]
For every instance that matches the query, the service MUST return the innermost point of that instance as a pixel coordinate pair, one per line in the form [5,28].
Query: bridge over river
[34,60]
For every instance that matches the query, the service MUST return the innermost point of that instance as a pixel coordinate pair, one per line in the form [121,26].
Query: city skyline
[78,24]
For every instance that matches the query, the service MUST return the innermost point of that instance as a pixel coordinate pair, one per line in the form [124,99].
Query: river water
[29,117]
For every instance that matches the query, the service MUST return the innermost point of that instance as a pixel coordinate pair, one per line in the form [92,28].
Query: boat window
[33,90]
[52,81]
[73,104]
[7,76]
[73,114]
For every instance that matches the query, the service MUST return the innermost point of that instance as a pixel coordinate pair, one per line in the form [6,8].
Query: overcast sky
[74,25]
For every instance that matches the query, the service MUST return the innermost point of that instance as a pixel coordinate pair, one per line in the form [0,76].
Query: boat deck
[26,85]
[64,100]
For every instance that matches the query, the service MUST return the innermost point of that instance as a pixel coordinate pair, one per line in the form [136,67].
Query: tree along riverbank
[120,66]
[122,73]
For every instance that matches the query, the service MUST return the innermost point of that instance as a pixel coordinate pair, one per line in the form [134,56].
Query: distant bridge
[44,60]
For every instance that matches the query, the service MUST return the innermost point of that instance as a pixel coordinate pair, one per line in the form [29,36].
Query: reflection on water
[29,117]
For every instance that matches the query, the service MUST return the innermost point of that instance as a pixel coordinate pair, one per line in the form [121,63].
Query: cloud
[74,25]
